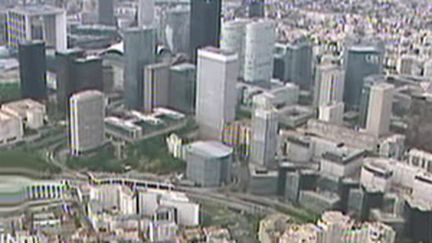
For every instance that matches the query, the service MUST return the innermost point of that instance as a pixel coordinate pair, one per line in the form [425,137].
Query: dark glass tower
[205,25]
[106,12]
[32,60]
[76,73]
[139,51]
[361,61]
[254,8]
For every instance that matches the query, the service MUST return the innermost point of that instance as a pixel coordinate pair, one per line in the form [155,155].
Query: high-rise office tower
[106,12]
[146,13]
[139,51]
[293,62]
[259,46]
[332,112]
[368,82]
[360,62]
[233,37]
[329,85]
[37,22]
[87,113]
[380,109]
[177,30]
[205,21]
[254,8]
[264,136]
[182,88]
[216,91]
[32,60]
[76,73]
[156,86]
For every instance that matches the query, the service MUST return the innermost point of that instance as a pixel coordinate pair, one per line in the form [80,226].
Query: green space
[101,160]
[151,155]
[243,227]
[9,92]
[22,159]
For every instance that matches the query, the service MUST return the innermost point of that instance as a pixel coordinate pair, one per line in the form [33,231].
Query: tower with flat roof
[37,22]
[139,51]
[216,91]
[32,60]
[86,122]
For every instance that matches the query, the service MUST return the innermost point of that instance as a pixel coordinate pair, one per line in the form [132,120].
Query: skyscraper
[329,85]
[204,25]
[156,86]
[177,30]
[254,8]
[264,136]
[259,46]
[106,12]
[37,22]
[86,121]
[145,13]
[293,62]
[216,91]
[32,60]
[361,61]
[182,88]
[76,73]
[368,82]
[139,51]
[233,39]
[380,109]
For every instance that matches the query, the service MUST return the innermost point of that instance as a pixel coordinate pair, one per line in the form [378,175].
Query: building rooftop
[183,66]
[87,94]
[37,9]
[218,51]
[211,149]
[22,106]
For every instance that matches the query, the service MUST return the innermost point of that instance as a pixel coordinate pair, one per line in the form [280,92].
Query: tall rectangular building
[254,8]
[259,48]
[87,113]
[233,37]
[37,22]
[177,30]
[156,86]
[182,88]
[264,136]
[139,51]
[76,73]
[32,60]
[368,82]
[361,61]
[293,62]
[106,12]
[329,85]
[216,91]
[380,109]
[205,24]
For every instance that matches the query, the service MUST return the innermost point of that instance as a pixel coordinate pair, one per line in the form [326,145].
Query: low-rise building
[11,129]
[209,163]
[31,113]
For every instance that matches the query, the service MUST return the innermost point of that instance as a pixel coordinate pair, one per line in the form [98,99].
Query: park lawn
[151,155]
[101,160]
[21,159]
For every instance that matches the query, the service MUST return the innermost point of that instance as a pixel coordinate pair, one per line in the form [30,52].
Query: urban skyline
[198,121]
